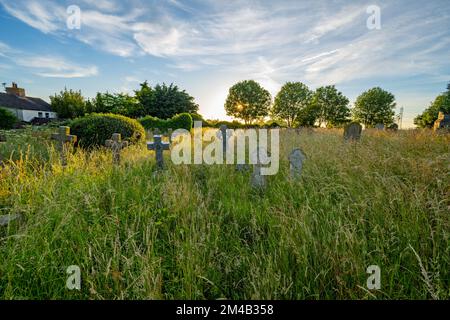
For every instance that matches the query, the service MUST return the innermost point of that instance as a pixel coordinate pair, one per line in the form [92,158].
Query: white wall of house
[28,115]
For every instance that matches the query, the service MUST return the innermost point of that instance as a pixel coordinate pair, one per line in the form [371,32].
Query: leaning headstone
[379,126]
[63,137]
[352,132]
[158,146]
[6,219]
[296,159]
[116,145]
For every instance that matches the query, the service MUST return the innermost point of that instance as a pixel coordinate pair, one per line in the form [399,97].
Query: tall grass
[202,232]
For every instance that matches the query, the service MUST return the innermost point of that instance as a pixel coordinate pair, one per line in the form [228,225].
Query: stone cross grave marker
[379,126]
[116,145]
[63,137]
[258,181]
[296,159]
[159,146]
[352,132]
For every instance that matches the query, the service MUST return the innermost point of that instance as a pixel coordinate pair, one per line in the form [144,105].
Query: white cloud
[57,67]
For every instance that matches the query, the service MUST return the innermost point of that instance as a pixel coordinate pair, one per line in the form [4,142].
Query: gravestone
[352,132]
[6,219]
[223,132]
[379,126]
[116,145]
[258,181]
[158,146]
[442,122]
[169,132]
[296,159]
[156,132]
[63,137]
[2,138]
[242,167]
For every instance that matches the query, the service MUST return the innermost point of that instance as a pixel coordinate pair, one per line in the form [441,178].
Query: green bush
[180,121]
[93,130]
[7,119]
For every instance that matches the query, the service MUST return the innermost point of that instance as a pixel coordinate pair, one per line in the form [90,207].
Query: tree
[430,115]
[248,101]
[290,101]
[374,106]
[7,119]
[68,104]
[117,103]
[331,105]
[165,101]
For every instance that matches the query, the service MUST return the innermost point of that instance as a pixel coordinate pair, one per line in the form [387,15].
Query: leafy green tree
[291,102]
[430,115]
[374,106]
[117,103]
[68,104]
[165,101]
[7,119]
[248,101]
[331,105]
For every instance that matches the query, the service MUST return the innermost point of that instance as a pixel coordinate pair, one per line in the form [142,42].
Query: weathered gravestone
[258,181]
[352,132]
[169,132]
[116,145]
[2,138]
[6,219]
[296,159]
[379,126]
[158,146]
[63,137]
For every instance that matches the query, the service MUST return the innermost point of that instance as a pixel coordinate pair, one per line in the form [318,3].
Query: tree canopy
[292,102]
[430,115]
[374,106]
[248,100]
[331,105]
[68,104]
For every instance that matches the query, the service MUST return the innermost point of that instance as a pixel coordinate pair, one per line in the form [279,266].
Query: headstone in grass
[156,132]
[6,219]
[169,132]
[64,138]
[258,181]
[158,146]
[2,138]
[116,145]
[296,159]
[379,126]
[352,132]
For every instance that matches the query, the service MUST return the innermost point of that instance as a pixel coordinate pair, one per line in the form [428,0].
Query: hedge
[180,121]
[7,119]
[94,129]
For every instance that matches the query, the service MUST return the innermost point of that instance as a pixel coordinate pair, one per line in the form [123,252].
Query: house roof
[25,103]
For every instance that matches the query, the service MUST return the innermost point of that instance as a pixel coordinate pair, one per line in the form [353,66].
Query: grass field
[202,232]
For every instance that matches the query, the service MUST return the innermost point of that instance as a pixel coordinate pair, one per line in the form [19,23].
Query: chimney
[15,90]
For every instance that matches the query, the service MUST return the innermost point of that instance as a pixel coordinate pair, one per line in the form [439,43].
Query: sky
[207,46]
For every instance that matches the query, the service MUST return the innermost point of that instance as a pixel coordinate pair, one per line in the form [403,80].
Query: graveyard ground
[202,232]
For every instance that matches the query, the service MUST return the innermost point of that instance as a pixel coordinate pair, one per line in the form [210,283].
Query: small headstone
[379,126]
[6,219]
[2,138]
[63,137]
[352,132]
[159,146]
[242,167]
[116,145]
[296,159]
[156,132]
[169,132]
[258,181]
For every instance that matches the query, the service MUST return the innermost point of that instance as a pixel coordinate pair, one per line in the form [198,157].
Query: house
[25,108]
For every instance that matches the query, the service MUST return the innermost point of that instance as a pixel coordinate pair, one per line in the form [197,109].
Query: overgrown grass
[201,232]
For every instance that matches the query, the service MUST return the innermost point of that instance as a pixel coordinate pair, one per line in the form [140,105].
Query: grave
[379,126]
[6,219]
[352,132]
[258,181]
[63,137]
[296,159]
[158,146]
[2,138]
[116,145]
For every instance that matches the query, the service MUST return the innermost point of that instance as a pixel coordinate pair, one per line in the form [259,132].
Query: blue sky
[206,46]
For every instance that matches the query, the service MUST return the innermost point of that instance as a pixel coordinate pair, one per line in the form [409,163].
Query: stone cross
[258,181]
[159,146]
[64,137]
[296,159]
[352,132]
[116,145]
